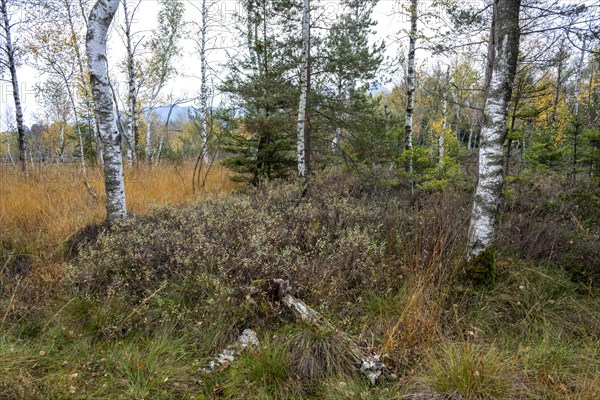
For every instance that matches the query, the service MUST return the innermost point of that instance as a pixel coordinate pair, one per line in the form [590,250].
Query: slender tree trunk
[99,21]
[133,133]
[166,132]
[79,133]
[445,123]
[304,88]
[576,120]
[148,148]
[61,144]
[10,60]
[410,87]
[204,83]
[89,100]
[470,144]
[489,187]
[337,139]
[509,141]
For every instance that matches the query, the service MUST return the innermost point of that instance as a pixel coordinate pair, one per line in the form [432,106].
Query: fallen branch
[369,364]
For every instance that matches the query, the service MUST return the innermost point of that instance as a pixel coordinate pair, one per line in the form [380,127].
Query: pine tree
[350,64]
[261,85]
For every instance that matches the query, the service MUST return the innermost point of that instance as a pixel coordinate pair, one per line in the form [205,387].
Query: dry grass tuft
[43,210]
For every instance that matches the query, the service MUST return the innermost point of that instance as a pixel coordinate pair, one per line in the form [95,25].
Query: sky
[392,25]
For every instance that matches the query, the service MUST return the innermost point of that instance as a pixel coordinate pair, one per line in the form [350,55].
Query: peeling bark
[410,85]
[445,123]
[203,109]
[491,156]
[99,21]
[302,141]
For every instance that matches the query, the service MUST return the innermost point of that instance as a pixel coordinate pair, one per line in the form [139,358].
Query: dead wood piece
[248,341]
[370,365]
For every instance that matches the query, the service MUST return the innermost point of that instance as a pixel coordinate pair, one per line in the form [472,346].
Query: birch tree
[410,85]
[54,55]
[202,39]
[74,23]
[505,50]
[302,140]
[99,22]
[441,138]
[131,46]
[164,48]
[9,61]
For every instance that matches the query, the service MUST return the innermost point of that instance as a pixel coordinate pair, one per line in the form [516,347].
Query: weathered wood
[369,364]
[248,341]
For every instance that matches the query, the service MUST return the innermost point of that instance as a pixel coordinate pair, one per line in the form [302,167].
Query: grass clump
[315,355]
[146,367]
[475,372]
[267,375]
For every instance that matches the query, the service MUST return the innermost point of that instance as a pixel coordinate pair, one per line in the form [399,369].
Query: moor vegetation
[138,310]
[296,229]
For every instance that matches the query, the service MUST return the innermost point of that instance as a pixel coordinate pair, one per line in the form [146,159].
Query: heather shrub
[329,246]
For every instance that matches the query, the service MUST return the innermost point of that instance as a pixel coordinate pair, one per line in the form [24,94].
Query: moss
[481,270]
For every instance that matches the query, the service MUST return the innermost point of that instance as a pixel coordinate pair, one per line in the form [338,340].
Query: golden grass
[41,211]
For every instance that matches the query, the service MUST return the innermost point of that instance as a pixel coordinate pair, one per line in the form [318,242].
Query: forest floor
[138,311]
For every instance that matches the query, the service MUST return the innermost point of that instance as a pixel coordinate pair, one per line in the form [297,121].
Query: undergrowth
[138,312]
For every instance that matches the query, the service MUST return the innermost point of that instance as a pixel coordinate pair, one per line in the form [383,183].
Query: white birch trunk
[410,85]
[337,139]
[10,60]
[491,154]
[132,128]
[204,82]
[99,21]
[304,87]
[445,122]
[148,148]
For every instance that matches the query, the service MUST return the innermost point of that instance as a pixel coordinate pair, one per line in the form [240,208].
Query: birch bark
[99,21]
[12,67]
[410,85]
[204,81]
[304,88]
[445,123]
[489,187]
[133,133]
